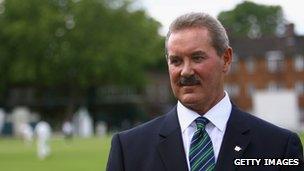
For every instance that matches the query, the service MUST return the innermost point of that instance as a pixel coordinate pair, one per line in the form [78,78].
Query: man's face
[196,70]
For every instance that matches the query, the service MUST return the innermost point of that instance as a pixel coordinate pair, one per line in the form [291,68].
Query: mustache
[188,80]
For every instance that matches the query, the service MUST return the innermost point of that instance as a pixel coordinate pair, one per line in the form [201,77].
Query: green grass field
[79,155]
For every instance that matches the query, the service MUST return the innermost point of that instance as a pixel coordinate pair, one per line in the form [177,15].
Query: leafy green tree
[252,20]
[76,44]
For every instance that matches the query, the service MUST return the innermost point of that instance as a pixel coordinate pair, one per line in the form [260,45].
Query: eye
[175,61]
[197,58]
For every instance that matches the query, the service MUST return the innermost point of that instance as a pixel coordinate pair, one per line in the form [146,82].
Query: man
[67,130]
[204,131]
[43,132]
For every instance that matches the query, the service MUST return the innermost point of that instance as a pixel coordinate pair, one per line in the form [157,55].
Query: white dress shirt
[218,116]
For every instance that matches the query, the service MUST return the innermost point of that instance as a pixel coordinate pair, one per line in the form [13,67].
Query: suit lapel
[235,141]
[170,146]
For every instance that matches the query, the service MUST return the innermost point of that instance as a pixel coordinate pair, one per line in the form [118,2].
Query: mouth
[188,88]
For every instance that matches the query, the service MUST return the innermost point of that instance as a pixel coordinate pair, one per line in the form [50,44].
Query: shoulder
[148,128]
[139,139]
[153,127]
[268,139]
[261,127]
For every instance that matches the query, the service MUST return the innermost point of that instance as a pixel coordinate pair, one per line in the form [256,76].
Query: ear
[227,59]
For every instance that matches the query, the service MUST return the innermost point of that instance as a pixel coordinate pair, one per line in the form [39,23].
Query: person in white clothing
[67,129]
[2,119]
[27,133]
[43,132]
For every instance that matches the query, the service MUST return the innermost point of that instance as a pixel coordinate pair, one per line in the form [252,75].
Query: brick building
[267,63]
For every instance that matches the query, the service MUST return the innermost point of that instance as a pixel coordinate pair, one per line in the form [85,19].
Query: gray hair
[219,38]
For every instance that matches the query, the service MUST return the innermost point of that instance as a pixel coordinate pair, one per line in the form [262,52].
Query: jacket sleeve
[294,150]
[115,160]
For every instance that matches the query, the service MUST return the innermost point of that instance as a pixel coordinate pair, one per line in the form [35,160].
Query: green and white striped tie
[201,155]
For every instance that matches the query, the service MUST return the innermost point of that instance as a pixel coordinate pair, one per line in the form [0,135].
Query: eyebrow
[172,56]
[199,53]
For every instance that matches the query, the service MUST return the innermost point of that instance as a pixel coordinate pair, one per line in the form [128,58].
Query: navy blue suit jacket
[158,146]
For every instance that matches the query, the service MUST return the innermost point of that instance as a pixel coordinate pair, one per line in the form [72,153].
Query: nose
[187,69]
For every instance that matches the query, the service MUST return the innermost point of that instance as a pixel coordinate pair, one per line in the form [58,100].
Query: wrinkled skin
[190,54]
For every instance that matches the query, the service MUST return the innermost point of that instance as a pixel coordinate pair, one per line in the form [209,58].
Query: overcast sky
[165,11]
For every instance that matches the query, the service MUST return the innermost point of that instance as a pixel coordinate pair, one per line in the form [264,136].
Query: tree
[76,44]
[252,20]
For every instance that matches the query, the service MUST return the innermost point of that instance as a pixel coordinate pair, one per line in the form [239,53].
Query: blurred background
[73,72]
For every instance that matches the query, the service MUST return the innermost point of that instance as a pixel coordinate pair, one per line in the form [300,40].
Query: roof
[246,47]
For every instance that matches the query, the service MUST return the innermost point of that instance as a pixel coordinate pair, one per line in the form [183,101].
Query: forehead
[188,39]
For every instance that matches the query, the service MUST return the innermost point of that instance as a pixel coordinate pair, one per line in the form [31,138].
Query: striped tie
[201,155]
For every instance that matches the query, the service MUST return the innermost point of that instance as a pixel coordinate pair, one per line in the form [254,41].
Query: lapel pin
[237,148]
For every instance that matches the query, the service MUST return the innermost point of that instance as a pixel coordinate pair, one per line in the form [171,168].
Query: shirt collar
[218,115]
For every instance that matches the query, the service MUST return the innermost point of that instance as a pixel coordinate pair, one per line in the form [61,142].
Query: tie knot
[201,122]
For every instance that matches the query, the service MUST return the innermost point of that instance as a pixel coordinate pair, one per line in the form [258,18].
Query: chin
[189,99]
